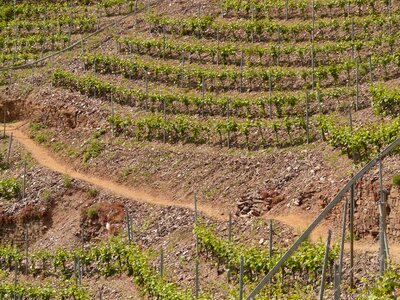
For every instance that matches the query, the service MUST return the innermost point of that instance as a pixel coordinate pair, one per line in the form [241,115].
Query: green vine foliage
[386,287]
[9,188]
[385,101]
[306,262]
[267,30]
[361,143]
[109,258]
[283,104]
[24,290]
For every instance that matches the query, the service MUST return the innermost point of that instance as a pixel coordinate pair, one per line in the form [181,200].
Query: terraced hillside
[119,113]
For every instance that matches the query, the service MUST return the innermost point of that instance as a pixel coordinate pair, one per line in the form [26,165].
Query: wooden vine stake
[9,148]
[336,283]
[146,75]
[271,233]
[164,41]
[102,287]
[313,47]
[4,118]
[357,84]
[26,236]
[71,16]
[218,48]
[230,227]
[352,207]
[24,182]
[15,278]
[241,282]
[325,266]
[307,119]
[129,226]
[342,240]
[228,119]
[183,68]
[112,116]
[230,240]
[197,285]
[352,38]
[370,69]
[202,86]
[241,71]
[286,10]
[382,222]
[195,222]
[162,262]
[270,94]
[165,122]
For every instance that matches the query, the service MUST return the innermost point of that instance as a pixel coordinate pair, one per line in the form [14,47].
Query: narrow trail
[47,159]
[296,221]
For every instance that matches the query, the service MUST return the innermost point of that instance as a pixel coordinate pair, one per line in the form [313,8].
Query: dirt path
[296,221]
[47,159]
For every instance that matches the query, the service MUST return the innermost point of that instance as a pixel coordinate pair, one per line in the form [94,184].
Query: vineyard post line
[24,182]
[351,225]
[162,262]
[229,240]
[270,239]
[4,118]
[9,148]
[326,257]
[196,291]
[382,221]
[241,282]
[342,240]
[321,216]
[111,24]
[336,283]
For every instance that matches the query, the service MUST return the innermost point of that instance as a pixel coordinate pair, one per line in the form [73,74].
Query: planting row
[267,30]
[79,24]
[17,58]
[109,258]
[25,290]
[35,42]
[245,79]
[277,104]
[306,262]
[361,143]
[250,133]
[302,8]
[27,10]
[287,54]
[385,100]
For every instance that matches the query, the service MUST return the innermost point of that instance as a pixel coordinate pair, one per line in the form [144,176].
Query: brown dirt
[46,159]
[296,220]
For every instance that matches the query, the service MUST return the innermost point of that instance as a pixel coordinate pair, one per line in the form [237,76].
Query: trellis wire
[321,216]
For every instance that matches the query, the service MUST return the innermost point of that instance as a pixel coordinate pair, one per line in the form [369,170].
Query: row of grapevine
[302,8]
[109,258]
[80,24]
[254,54]
[361,143]
[256,79]
[25,290]
[385,100]
[32,42]
[257,261]
[28,10]
[267,30]
[250,133]
[18,58]
[278,104]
